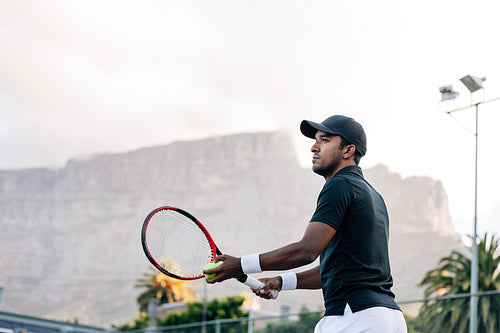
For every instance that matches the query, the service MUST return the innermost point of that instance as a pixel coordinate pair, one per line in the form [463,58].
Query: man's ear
[349,151]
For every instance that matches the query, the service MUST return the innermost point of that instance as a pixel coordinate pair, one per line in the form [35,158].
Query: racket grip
[253,283]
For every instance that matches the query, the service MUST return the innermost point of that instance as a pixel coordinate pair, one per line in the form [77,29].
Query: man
[349,231]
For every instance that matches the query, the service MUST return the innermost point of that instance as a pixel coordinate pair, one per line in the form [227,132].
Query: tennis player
[349,230]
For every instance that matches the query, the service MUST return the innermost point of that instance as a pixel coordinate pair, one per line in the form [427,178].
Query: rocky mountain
[70,238]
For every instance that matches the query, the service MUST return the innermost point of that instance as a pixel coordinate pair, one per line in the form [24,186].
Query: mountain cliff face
[70,238]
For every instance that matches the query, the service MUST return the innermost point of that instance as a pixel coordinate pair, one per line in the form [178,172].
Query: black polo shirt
[354,265]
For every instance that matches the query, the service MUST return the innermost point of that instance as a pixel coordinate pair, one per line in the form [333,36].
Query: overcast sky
[80,77]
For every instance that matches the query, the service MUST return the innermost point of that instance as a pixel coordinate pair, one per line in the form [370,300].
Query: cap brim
[309,128]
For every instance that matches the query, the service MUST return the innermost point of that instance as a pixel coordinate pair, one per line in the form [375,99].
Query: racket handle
[253,283]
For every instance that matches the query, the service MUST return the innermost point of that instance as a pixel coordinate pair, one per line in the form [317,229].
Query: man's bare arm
[309,279]
[315,239]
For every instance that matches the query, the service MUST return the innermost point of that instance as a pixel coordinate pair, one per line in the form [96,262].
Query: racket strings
[178,244]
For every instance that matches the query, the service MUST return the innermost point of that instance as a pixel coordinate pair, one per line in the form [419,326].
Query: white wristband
[251,264]
[288,281]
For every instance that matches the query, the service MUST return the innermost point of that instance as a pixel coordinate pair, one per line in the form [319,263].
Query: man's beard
[326,171]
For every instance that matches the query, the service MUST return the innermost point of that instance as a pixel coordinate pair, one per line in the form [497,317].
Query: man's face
[326,154]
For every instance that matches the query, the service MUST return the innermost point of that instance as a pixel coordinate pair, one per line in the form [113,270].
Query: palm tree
[452,277]
[163,288]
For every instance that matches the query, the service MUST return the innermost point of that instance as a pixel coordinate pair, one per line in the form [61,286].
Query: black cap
[346,127]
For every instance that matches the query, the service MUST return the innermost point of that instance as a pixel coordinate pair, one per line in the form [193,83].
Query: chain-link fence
[294,323]
[451,313]
[445,314]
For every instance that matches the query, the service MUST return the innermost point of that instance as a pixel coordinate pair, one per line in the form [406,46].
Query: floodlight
[447,93]
[473,83]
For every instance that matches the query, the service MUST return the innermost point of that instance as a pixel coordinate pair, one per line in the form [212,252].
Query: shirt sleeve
[333,202]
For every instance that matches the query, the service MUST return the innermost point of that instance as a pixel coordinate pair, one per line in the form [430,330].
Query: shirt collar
[353,169]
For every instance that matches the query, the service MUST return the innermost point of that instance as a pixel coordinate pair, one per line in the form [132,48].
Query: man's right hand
[273,283]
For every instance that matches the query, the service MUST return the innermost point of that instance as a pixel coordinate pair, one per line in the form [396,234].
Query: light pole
[473,84]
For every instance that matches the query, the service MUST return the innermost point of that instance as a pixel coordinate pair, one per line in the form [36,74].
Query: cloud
[79,77]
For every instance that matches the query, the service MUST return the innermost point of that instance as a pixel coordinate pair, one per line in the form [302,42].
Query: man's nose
[314,148]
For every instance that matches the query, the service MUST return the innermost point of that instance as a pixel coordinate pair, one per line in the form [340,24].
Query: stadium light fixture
[447,93]
[473,83]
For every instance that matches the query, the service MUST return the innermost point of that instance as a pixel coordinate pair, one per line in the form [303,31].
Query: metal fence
[16,323]
[439,314]
[451,313]
[294,322]
[445,314]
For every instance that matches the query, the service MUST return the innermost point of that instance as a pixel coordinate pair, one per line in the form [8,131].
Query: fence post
[285,312]
[152,312]
[250,321]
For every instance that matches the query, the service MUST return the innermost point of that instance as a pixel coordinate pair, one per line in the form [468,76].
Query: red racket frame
[215,251]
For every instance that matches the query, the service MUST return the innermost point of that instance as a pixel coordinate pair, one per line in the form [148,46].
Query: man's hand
[273,283]
[229,268]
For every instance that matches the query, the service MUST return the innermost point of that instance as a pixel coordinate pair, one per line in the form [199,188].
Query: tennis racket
[179,246]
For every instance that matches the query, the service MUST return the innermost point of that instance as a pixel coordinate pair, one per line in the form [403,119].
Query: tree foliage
[163,288]
[452,277]
[225,308]
[306,323]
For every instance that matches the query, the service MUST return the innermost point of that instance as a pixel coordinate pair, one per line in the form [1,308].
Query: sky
[79,78]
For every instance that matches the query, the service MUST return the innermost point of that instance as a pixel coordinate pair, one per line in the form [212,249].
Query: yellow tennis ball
[209,266]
